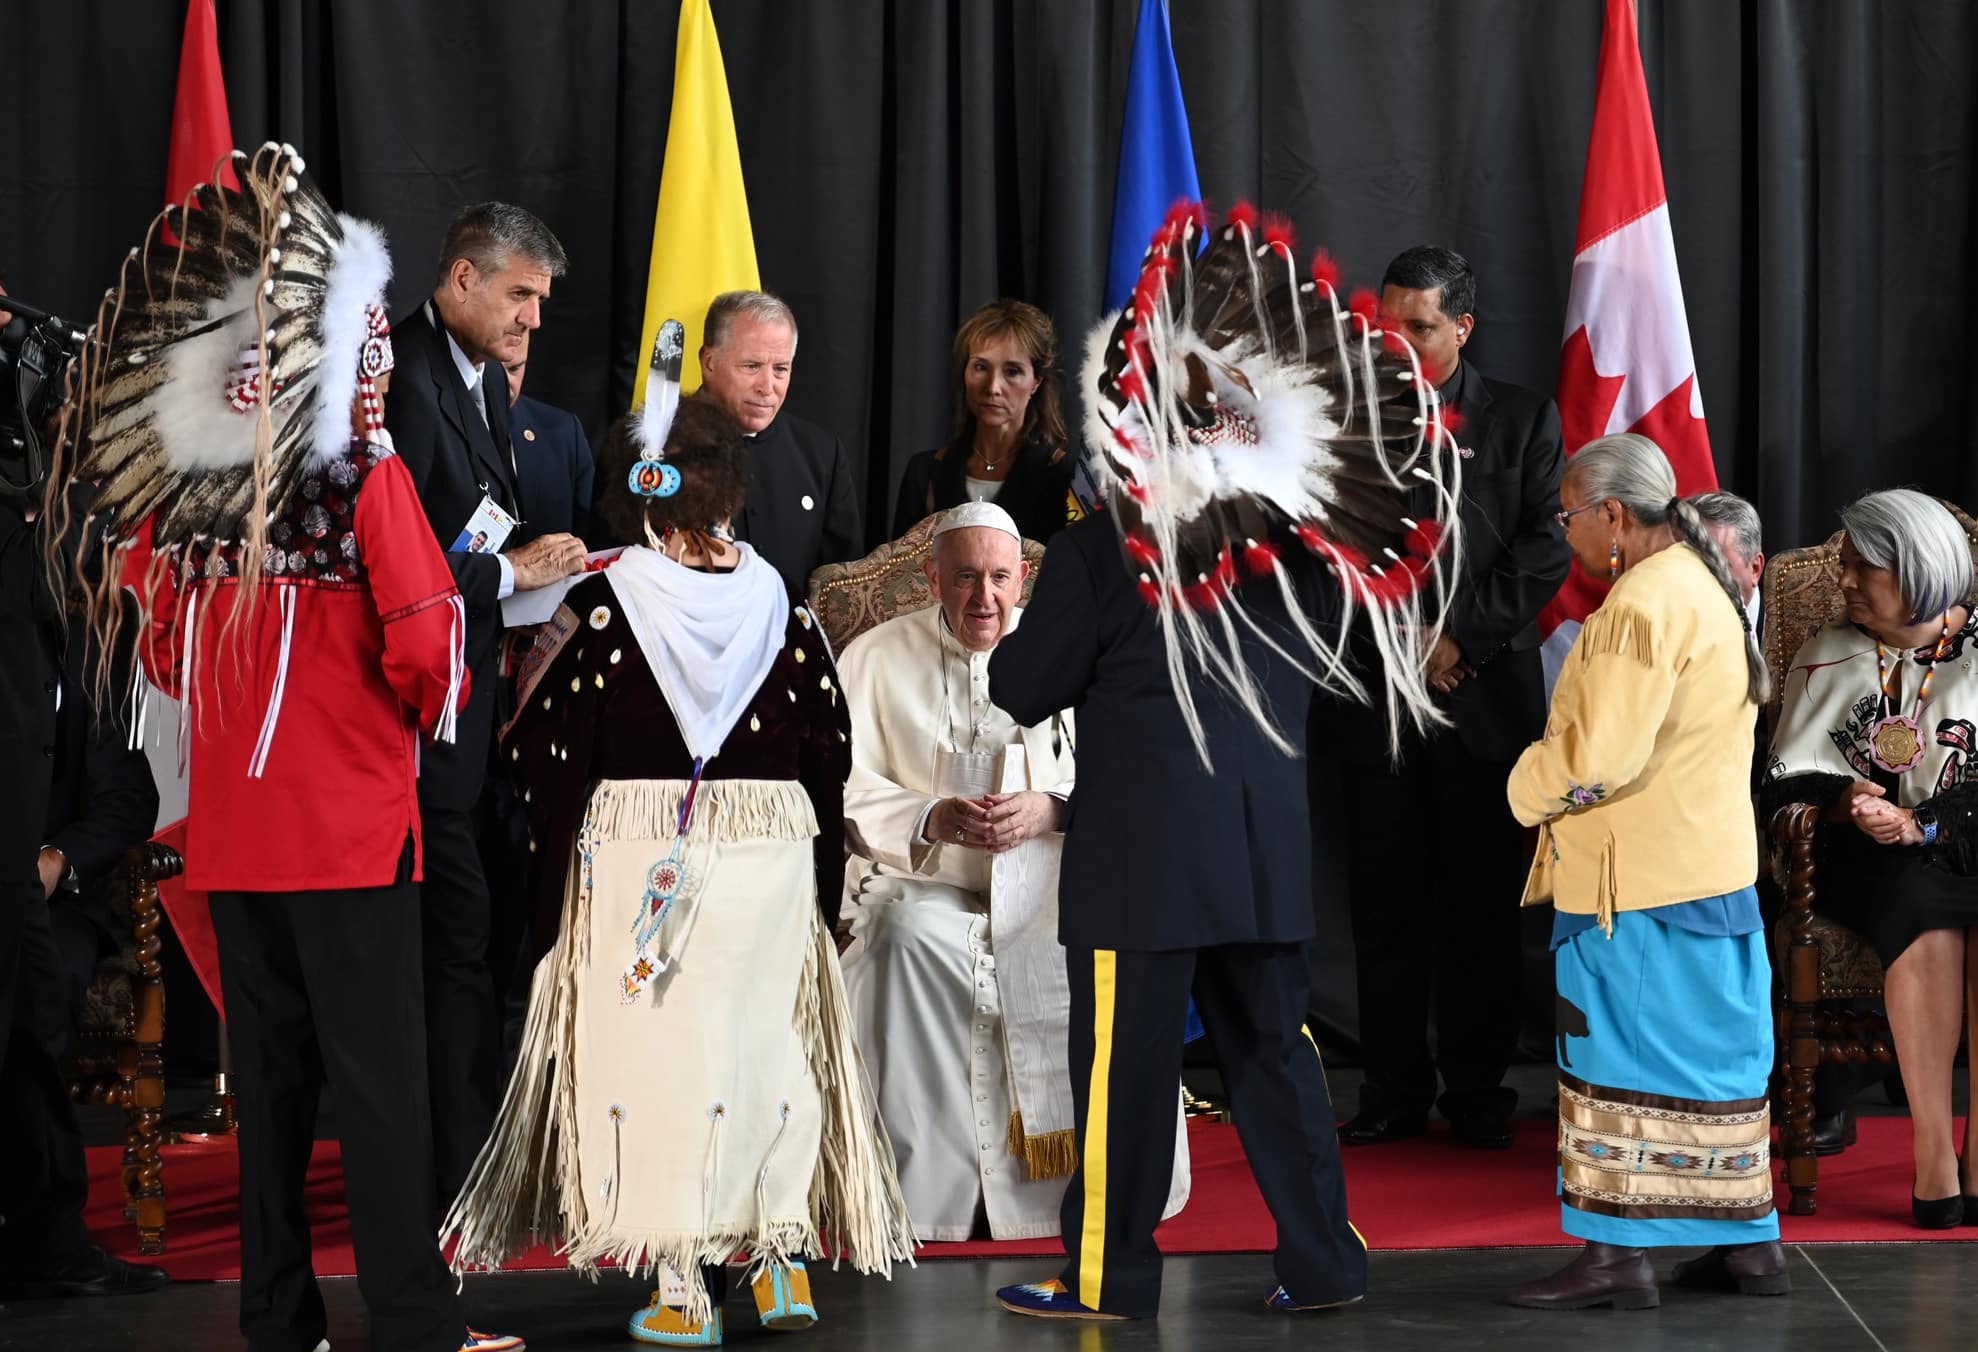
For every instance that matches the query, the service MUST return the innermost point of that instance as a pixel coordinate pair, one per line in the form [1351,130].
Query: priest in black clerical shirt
[802,509]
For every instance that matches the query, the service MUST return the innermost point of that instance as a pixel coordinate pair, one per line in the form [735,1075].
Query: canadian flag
[1627,364]
[201,134]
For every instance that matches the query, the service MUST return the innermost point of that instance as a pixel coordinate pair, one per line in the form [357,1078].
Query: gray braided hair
[1632,470]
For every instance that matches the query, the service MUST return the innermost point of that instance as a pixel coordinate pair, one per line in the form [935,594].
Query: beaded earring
[1613,560]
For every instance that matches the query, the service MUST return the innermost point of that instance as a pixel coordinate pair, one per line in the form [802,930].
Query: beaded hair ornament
[650,475]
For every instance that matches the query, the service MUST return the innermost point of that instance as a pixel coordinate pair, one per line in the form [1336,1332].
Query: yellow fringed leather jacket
[1641,786]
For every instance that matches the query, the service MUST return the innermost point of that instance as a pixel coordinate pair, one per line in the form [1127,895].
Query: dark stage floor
[1897,1298]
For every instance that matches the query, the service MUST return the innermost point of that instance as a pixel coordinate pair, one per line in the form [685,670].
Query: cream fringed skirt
[723,1111]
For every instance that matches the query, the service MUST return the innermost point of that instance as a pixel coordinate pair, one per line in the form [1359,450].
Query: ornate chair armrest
[153,862]
[1791,833]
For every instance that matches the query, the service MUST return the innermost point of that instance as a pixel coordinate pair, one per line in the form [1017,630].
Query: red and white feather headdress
[1235,406]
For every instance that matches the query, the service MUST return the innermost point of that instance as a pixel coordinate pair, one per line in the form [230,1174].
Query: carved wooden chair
[850,598]
[1830,979]
[119,1054]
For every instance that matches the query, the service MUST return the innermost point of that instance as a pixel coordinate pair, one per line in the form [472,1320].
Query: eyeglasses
[1563,517]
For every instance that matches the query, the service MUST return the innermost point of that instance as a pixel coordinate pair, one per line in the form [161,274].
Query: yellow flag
[701,241]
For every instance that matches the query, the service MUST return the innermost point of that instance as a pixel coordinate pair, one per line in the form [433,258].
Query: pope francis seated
[954,816]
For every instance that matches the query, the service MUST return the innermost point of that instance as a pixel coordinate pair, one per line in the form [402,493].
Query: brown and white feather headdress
[1235,397]
[222,369]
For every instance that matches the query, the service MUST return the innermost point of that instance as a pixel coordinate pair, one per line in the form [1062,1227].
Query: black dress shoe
[1834,1133]
[1600,1274]
[1487,1129]
[1371,1128]
[95,1273]
[1749,1269]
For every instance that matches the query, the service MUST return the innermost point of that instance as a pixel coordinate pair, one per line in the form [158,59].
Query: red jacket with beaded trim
[301,738]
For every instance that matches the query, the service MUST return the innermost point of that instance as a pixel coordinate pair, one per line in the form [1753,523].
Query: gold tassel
[1619,631]
[1052,1155]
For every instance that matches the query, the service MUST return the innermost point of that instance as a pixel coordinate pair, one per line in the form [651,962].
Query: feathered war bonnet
[1234,406]
[222,370]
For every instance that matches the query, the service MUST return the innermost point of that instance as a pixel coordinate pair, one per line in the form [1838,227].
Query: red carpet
[1423,1194]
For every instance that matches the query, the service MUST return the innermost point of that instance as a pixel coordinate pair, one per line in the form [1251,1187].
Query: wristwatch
[1926,822]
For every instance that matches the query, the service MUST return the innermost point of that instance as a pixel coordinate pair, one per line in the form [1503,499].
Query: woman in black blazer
[1009,443]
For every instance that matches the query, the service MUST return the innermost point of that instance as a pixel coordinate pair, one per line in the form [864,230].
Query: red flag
[1627,365]
[201,132]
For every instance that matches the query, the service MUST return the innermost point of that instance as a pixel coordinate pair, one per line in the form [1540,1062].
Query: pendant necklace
[1895,743]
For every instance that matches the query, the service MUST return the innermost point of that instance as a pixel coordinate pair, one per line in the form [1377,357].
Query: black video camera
[36,350]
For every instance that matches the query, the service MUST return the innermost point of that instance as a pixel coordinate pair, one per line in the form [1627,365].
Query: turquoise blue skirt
[1665,1049]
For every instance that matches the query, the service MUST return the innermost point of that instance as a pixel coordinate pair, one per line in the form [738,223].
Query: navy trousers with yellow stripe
[1127,1016]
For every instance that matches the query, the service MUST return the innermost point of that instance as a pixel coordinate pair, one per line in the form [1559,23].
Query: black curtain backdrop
[908,160]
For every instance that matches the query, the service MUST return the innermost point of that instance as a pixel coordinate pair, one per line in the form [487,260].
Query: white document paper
[537,605]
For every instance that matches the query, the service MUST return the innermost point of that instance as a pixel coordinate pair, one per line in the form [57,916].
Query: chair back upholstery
[850,598]
[1802,595]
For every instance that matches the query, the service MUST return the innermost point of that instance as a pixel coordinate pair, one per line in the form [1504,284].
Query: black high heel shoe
[1941,1213]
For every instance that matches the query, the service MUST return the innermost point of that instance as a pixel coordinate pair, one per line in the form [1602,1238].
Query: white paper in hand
[538,604]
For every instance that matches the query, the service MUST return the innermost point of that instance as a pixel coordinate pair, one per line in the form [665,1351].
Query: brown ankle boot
[1749,1269]
[1600,1274]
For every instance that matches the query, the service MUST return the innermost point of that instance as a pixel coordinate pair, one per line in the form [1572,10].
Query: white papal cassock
[956,978]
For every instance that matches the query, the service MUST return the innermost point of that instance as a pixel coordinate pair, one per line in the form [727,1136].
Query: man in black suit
[102,801]
[553,456]
[802,511]
[1441,926]
[45,1250]
[447,411]
[1175,879]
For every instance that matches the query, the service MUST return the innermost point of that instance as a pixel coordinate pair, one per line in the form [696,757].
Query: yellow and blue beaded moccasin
[782,1298]
[668,1326]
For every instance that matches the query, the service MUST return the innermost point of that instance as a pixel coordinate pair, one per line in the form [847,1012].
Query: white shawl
[710,638]
[1830,703]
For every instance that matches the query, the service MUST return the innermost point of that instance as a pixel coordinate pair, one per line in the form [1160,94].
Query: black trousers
[463,1030]
[44,1177]
[325,986]
[1127,1012]
[1436,864]
[63,949]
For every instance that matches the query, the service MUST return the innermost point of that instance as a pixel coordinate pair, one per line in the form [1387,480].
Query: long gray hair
[1632,470]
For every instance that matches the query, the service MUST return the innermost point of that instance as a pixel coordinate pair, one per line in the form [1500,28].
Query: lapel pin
[528,434]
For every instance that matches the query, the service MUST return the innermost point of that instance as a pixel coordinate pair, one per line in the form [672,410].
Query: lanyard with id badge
[486,531]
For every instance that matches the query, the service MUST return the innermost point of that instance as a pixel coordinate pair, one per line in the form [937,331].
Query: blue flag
[1156,170]
[1156,156]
